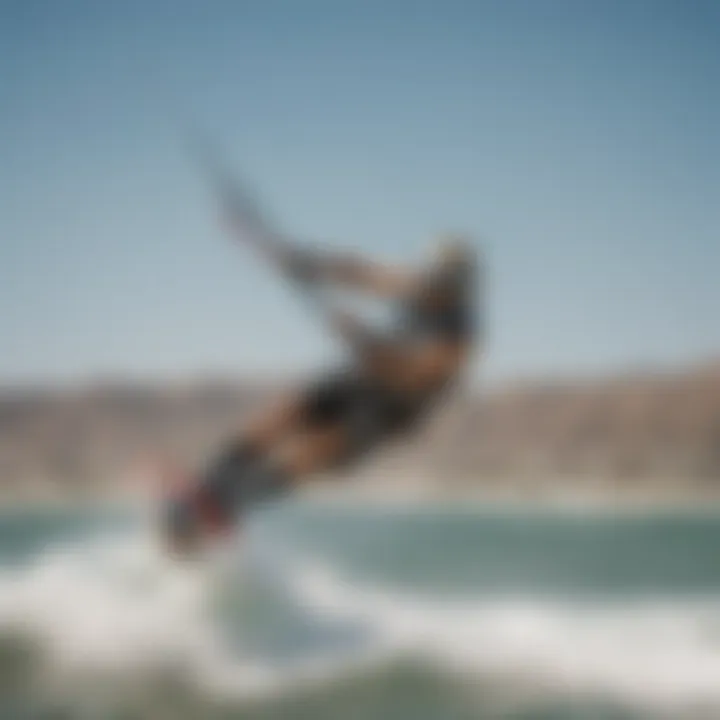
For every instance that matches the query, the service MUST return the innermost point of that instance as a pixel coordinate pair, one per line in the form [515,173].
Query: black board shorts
[368,412]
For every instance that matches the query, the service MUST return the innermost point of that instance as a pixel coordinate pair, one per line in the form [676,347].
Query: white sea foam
[120,607]
[655,652]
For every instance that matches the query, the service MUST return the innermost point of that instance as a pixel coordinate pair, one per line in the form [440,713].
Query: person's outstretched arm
[246,221]
[351,271]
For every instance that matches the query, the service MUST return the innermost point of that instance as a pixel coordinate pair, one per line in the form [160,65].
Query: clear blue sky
[579,140]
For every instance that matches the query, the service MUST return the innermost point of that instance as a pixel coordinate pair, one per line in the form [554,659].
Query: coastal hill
[630,431]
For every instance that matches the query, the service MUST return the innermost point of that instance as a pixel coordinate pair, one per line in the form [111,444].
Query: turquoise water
[329,612]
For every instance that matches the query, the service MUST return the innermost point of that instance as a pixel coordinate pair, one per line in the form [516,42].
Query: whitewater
[304,603]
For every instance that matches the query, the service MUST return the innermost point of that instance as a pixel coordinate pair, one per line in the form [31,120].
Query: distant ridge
[634,428]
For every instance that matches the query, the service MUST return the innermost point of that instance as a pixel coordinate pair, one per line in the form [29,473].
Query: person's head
[454,263]
[455,251]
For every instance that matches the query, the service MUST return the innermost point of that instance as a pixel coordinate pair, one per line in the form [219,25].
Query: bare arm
[245,220]
[341,269]
[364,275]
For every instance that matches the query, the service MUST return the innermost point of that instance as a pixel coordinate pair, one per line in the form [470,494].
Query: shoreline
[559,502]
[560,497]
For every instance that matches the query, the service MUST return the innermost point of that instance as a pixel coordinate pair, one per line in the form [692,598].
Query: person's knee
[265,427]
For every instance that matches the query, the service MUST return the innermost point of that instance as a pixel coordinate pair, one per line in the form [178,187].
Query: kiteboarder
[390,382]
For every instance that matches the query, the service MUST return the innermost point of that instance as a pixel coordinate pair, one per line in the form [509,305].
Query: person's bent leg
[236,458]
[211,504]
[266,426]
[302,435]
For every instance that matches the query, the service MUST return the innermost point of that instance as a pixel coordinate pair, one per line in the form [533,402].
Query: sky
[577,141]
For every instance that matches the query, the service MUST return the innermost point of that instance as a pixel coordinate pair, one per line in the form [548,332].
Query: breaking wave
[117,606]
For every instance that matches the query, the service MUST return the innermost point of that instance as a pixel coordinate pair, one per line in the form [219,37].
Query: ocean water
[442,613]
